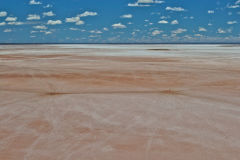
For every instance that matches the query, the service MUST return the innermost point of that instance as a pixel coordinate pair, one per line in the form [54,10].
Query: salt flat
[114,102]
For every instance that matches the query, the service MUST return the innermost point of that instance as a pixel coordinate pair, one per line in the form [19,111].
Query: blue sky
[119,21]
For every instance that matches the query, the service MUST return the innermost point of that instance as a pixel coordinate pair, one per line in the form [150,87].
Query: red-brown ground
[81,105]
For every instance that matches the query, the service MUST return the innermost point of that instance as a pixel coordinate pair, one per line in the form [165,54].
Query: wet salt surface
[128,50]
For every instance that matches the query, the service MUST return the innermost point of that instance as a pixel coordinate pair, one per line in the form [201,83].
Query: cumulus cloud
[34,32]
[127,16]
[105,29]
[80,22]
[3,24]
[231,22]
[33,2]
[33,17]
[144,3]
[11,19]
[40,27]
[179,31]
[176,9]
[201,29]
[233,6]
[48,32]
[74,29]
[118,25]
[221,31]
[198,35]
[156,32]
[77,20]
[210,11]
[3,14]
[138,5]
[163,22]
[87,13]
[7,30]
[150,1]
[48,6]
[174,22]
[15,23]
[48,14]
[210,24]
[52,22]
[72,19]
[96,31]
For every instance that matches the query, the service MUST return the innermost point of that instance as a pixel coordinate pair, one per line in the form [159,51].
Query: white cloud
[237,2]
[210,24]
[105,29]
[15,23]
[3,14]
[233,6]
[177,9]
[33,2]
[127,16]
[11,19]
[231,22]
[34,32]
[144,3]
[159,2]
[77,20]
[211,11]
[118,25]
[33,17]
[74,29]
[221,31]
[80,22]
[7,30]
[138,5]
[3,24]
[198,35]
[72,19]
[40,27]
[48,6]
[52,22]
[186,17]
[150,1]
[163,22]
[179,31]
[174,22]
[87,13]
[201,29]
[48,14]
[96,32]
[156,32]
[48,32]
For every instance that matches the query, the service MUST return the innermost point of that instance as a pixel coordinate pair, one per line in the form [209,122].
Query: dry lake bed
[119,102]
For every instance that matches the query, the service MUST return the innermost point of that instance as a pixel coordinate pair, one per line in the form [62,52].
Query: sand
[119,102]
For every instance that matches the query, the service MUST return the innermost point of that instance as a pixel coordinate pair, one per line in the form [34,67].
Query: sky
[120,21]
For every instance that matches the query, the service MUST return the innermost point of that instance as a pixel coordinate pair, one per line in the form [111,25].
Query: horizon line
[235,43]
